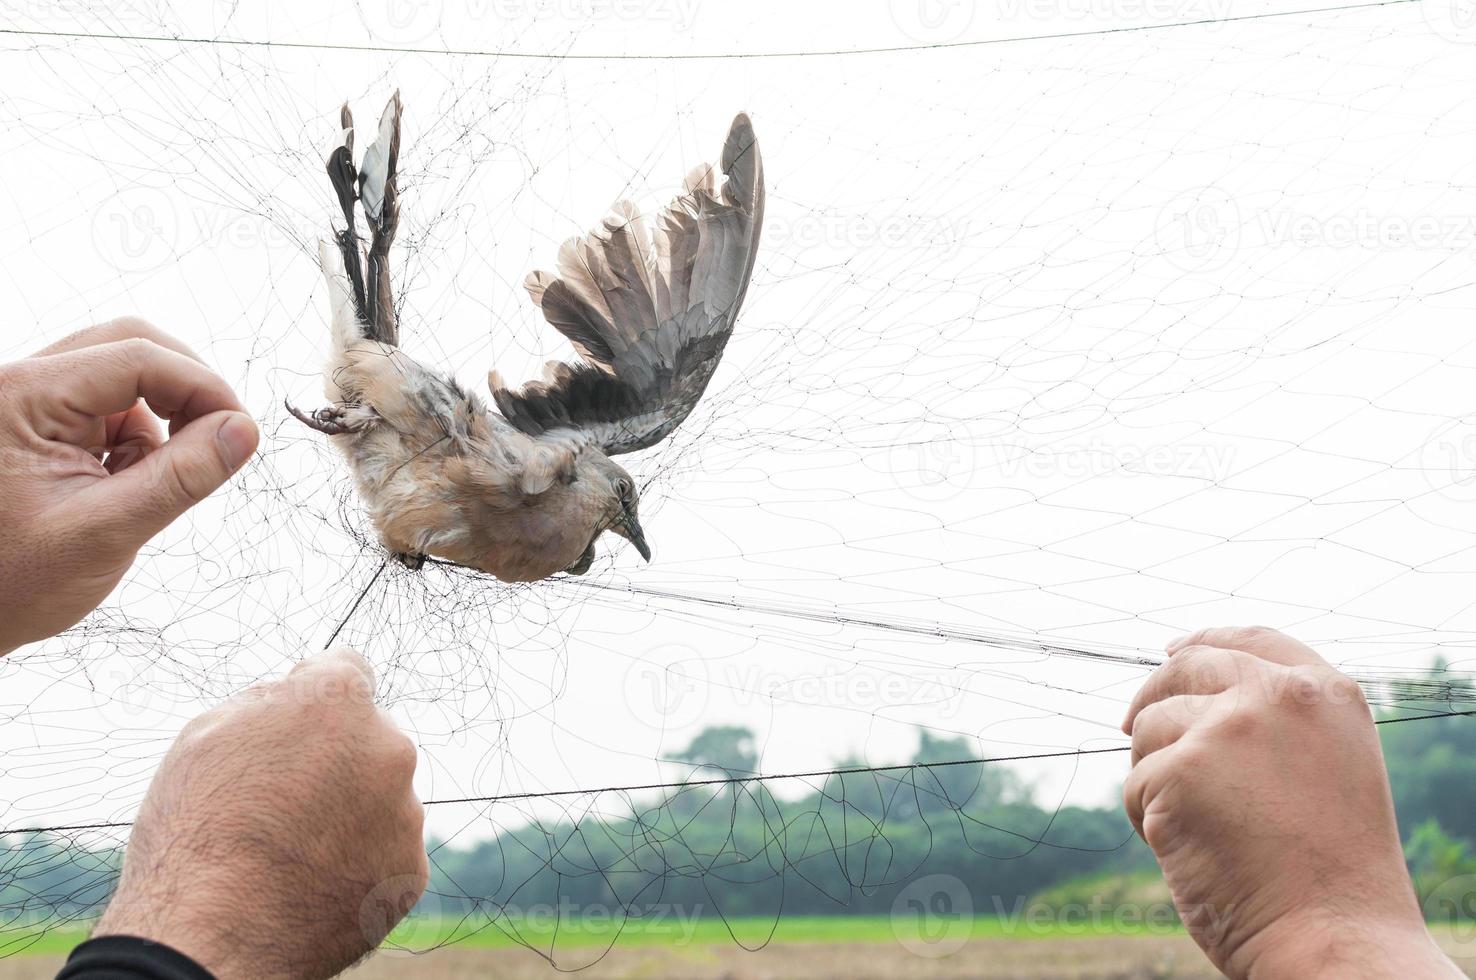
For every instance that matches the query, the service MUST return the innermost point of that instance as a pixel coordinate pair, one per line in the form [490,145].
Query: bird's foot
[413,562]
[585,560]
[331,421]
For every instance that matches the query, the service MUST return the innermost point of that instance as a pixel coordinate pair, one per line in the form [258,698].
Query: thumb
[141,501]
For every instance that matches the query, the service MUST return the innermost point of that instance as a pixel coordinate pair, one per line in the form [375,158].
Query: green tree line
[845,845]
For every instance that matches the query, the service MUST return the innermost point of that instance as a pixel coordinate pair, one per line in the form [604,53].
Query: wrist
[201,930]
[1342,948]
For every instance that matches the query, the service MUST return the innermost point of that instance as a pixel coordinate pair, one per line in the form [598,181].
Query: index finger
[1201,670]
[119,328]
[96,382]
[1258,641]
[339,670]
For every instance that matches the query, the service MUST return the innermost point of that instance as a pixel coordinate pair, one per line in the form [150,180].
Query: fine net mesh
[1056,347]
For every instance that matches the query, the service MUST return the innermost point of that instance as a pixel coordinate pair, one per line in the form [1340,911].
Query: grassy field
[748,932]
[421,935]
[801,948]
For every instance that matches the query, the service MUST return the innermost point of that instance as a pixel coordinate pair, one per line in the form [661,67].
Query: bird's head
[622,505]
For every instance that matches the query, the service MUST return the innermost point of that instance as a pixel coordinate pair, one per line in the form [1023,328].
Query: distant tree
[985,782]
[730,749]
[1432,763]
[1435,859]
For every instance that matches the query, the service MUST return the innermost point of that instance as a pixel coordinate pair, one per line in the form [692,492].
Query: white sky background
[1088,339]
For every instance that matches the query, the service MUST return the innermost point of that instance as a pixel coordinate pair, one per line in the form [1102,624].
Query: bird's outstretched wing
[649,313]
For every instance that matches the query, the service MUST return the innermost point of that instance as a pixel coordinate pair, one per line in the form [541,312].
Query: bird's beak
[629,528]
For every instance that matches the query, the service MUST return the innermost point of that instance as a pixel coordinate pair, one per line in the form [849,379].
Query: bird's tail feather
[346,325]
[373,187]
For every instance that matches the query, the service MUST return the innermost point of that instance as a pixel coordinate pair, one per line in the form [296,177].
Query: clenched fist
[1259,783]
[86,474]
[281,836]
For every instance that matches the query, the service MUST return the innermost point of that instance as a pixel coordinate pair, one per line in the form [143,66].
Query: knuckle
[1240,719]
[402,755]
[130,323]
[1342,688]
[1195,653]
[1256,635]
[1144,720]
[1200,661]
[1194,758]
[136,348]
[421,875]
[415,820]
[1318,687]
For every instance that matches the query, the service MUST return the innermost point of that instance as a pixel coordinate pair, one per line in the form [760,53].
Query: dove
[525,492]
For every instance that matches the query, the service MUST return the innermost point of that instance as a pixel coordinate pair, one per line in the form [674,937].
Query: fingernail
[1176,643]
[235,440]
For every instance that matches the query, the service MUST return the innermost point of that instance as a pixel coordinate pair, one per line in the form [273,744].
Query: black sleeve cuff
[130,958]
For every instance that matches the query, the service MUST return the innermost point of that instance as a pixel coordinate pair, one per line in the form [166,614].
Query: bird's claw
[585,560]
[330,421]
[413,562]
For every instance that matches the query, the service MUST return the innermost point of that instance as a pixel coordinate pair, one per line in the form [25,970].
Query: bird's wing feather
[648,309]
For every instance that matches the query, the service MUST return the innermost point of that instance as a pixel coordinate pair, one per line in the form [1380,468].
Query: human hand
[1259,783]
[281,836]
[86,476]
